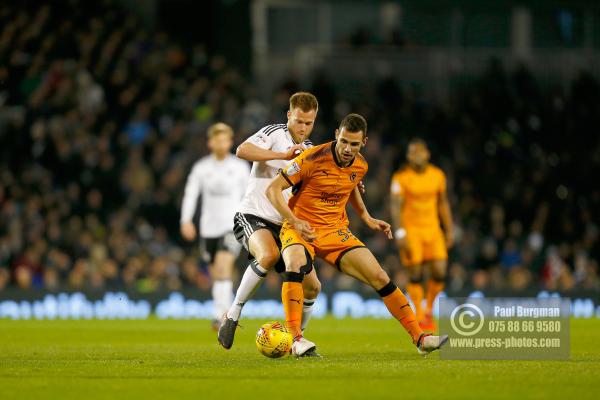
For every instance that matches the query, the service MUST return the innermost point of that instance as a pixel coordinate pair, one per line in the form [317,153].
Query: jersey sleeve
[442,184]
[261,139]
[193,188]
[298,169]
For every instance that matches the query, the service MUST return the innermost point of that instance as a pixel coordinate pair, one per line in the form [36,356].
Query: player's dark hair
[304,101]
[417,140]
[354,123]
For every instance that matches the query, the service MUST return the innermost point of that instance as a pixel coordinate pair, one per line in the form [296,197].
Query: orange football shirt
[421,193]
[321,186]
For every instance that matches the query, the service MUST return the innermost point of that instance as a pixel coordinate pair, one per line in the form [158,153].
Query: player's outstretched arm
[193,188]
[361,209]
[446,217]
[275,196]
[396,202]
[251,152]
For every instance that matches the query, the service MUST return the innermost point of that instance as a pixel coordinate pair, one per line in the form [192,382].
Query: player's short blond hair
[219,128]
[304,101]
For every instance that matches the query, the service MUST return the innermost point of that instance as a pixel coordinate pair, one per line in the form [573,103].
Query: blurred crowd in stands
[101,120]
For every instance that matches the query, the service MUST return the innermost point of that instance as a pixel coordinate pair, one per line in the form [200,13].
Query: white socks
[252,279]
[222,292]
[307,310]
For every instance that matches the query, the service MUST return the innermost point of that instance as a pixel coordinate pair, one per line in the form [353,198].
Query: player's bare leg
[263,248]
[297,265]
[221,272]
[361,264]
[435,284]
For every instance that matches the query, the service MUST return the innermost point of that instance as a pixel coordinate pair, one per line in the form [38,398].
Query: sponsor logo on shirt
[331,199]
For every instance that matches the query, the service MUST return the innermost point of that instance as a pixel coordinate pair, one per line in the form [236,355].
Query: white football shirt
[275,138]
[222,184]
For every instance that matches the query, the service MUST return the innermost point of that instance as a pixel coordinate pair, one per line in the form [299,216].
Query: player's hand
[381,226]
[293,151]
[449,239]
[303,227]
[361,187]
[188,231]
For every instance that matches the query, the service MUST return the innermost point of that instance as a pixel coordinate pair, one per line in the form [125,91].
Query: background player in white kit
[257,224]
[221,179]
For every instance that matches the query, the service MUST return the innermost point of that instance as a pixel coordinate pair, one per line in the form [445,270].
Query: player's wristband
[400,233]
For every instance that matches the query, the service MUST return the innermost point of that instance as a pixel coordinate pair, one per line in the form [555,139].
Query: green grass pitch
[181,359]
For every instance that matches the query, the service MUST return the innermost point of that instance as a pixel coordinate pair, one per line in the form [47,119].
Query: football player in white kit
[221,179]
[257,224]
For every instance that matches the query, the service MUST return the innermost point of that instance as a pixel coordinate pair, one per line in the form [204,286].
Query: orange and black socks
[398,306]
[292,297]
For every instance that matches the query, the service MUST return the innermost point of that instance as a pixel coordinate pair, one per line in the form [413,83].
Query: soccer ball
[273,340]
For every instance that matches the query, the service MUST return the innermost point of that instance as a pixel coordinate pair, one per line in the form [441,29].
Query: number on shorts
[345,234]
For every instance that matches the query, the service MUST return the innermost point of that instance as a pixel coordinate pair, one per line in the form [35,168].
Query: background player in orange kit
[419,203]
[324,178]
